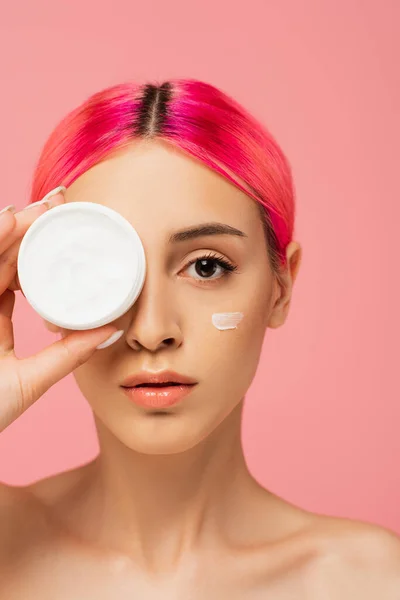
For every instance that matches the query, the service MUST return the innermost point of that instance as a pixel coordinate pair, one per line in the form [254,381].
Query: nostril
[135,344]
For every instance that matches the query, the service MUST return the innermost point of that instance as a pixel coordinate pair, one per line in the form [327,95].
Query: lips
[158,390]
[160,379]
[168,383]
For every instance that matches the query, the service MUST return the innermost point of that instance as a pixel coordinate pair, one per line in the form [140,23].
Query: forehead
[156,186]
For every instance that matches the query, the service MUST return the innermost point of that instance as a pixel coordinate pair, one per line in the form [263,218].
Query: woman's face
[160,191]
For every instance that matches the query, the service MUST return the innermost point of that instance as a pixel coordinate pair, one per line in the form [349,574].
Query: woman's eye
[210,267]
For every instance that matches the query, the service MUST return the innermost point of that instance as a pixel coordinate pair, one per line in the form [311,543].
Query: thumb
[42,370]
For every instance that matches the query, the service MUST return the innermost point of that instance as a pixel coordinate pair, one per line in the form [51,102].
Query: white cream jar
[81,265]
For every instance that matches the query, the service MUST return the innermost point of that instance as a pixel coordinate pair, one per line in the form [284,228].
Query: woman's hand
[23,381]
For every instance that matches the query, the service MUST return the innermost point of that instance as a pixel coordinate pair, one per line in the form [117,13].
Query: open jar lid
[81,265]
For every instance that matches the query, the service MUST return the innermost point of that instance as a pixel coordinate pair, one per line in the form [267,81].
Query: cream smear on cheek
[228,320]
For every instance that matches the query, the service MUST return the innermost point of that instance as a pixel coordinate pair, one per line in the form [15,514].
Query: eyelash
[227,266]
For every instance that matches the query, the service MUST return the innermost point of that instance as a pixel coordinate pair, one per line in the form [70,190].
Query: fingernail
[111,340]
[47,197]
[56,190]
[39,203]
[11,208]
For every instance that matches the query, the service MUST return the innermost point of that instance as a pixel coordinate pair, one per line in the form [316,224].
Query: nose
[154,323]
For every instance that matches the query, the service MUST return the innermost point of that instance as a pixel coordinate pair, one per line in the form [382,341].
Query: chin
[159,446]
[160,433]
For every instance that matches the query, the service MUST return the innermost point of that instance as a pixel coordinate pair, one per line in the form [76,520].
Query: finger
[15,284]
[39,372]
[9,257]
[8,267]
[56,199]
[7,301]
[7,226]
[52,198]
[13,225]
[11,243]
[25,217]
[28,215]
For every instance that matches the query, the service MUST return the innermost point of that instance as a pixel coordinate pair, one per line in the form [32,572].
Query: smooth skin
[169,510]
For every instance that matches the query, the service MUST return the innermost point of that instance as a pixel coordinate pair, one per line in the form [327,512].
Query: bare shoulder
[13,501]
[362,541]
[355,559]
[15,518]
[58,488]
[25,512]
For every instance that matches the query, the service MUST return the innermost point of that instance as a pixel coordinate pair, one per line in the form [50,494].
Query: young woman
[169,509]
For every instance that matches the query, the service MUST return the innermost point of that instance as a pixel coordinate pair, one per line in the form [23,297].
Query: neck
[159,507]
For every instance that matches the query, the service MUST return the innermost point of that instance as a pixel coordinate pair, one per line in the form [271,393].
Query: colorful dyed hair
[192,115]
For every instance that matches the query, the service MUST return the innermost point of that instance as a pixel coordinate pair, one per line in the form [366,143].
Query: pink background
[323,415]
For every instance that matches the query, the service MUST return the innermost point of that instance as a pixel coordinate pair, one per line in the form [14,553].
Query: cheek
[229,357]
[96,377]
[94,383]
[224,321]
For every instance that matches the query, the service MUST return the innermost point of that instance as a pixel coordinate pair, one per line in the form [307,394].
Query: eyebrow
[203,230]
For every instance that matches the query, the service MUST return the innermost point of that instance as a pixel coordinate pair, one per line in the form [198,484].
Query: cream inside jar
[81,265]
